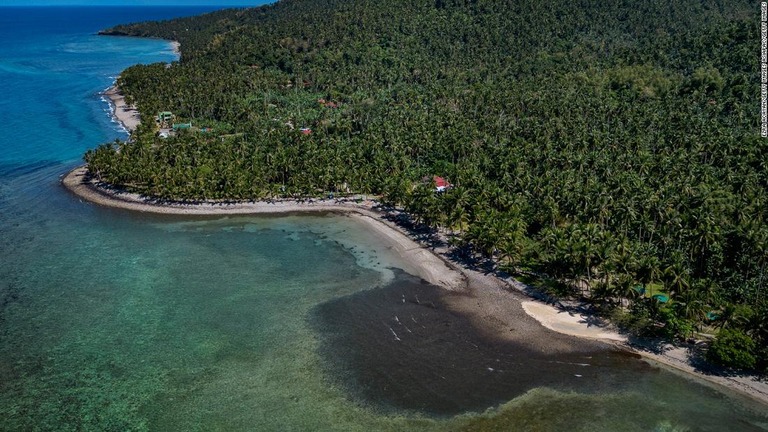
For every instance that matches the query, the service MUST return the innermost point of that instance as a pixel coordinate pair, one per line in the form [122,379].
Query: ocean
[112,320]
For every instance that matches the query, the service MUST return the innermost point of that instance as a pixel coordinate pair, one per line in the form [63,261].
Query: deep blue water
[111,320]
[52,67]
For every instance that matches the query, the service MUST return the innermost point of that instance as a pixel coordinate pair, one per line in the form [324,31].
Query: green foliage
[762,359]
[733,348]
[676,325]
[637,321]
[605,144]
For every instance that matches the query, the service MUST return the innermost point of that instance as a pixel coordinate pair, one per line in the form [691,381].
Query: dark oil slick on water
[400,347]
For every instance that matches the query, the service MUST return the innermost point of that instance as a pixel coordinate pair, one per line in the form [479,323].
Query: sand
[176,47]
[498,307]
[678,357]
[452,363]
[126,115]
[418,261]
[569,323]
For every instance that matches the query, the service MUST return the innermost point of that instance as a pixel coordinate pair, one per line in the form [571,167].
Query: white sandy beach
[677,357]
[176,47]
[420,261]
[568,323]
[497,306]
[127,115]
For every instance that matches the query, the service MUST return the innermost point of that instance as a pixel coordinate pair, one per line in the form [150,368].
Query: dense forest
[611,147]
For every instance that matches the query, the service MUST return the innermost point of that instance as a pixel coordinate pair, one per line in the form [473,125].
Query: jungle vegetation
[611,146]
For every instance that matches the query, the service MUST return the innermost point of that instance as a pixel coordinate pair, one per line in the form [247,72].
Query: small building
[164,118]
[305,131]
[441,184]
[180,126]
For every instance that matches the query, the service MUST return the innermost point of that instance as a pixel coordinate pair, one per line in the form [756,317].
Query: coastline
[126,115]
[176,47]
[424,264]
[675,357]
[499,306]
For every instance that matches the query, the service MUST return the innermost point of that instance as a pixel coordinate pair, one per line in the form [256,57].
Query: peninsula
[617,160]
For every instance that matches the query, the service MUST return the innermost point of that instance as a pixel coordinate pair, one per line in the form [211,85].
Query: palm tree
[676,275]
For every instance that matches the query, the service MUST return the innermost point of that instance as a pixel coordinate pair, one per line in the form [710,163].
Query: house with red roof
[441,184]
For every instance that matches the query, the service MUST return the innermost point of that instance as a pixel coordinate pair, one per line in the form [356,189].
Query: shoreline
[486,298]
[176,47]
[126,115]
[675,357]
[426,265]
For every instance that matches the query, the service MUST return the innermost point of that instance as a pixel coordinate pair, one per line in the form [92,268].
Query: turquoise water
[112,320]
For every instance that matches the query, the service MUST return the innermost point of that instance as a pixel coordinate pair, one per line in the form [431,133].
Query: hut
[164,118]
[441,184]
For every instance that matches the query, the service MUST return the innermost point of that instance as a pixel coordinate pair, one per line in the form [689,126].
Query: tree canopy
[612,145]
